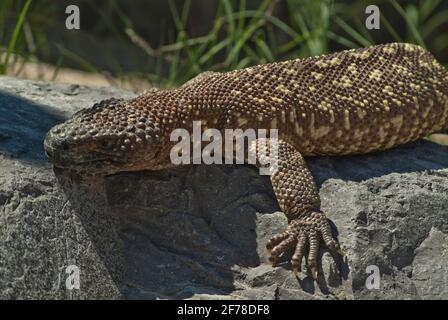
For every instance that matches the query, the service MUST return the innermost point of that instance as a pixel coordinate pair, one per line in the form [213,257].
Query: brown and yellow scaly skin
[349,102]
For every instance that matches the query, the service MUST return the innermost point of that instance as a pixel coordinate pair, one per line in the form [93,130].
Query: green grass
[240,35]
[15,35]
[249,38]
[312,28]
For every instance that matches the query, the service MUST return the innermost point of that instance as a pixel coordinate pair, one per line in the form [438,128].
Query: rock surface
[198,232]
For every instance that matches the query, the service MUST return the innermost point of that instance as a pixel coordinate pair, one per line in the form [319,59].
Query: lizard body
[350,102]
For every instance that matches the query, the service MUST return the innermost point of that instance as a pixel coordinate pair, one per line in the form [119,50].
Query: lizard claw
[314,273]
[296,267]
[304,234]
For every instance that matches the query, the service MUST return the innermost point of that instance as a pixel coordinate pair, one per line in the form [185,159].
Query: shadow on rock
[23,126]
[416,156]
[189,231]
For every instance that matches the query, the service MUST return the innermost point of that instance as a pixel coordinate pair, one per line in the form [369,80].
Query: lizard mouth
[102,166]
[65,152]
[63,157]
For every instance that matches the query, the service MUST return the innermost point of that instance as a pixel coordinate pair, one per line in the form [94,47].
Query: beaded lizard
[349,102]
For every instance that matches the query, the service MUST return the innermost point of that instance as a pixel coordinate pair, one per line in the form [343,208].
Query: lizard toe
[280,248]
[313,239]
[296,261]
[304,234]
[276,240]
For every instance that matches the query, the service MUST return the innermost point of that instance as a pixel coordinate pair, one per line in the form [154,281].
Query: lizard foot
[303,233]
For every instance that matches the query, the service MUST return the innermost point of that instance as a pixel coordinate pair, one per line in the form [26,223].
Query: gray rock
[429,268]
[199,232]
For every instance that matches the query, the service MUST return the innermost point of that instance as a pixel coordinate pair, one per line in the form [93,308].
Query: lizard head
[113,135]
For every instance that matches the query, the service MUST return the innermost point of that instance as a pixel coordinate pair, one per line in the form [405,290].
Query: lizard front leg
[298,198]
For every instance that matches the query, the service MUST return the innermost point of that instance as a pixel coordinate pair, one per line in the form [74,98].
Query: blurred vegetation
[169,42]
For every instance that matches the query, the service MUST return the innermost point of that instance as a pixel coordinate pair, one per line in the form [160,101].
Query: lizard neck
[179,108]
[172,113]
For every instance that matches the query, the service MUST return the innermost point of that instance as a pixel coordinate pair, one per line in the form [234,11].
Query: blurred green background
[164,43]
